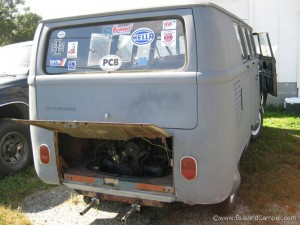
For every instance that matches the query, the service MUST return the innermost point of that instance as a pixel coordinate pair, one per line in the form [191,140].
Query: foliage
[25,26]
[15,27]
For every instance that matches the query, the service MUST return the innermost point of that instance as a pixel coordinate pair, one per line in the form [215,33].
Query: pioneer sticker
[58,62]
[110,62]
[168,38]
[142,36]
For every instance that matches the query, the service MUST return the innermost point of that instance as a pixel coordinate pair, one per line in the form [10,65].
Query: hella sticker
[142,36]
[110,62]
[58,62]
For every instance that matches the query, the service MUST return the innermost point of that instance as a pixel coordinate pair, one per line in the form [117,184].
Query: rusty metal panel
[114,131]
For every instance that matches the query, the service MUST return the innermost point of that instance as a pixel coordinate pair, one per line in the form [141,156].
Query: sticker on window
[58,62]
[168,38]
[61,34]
[142,36]
[142,61]
[169,24]
[72,65]
[123,29]
[57,47]
[110,62]
[72,49]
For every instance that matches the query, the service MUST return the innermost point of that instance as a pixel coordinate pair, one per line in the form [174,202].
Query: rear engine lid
[112,131]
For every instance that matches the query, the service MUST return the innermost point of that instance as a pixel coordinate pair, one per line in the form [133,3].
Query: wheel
[227,206]
[258,125]
[15,147]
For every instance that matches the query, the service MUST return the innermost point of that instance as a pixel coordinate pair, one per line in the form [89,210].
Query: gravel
[61,206]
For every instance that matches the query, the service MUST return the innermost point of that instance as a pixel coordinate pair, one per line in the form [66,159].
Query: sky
[63,8]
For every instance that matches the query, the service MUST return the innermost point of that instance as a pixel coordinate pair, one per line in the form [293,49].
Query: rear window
[132,46]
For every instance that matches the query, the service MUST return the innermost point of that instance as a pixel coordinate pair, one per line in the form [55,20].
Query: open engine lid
[113,131]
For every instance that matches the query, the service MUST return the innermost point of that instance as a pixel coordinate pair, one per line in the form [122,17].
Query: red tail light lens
[45,154]
[188,167]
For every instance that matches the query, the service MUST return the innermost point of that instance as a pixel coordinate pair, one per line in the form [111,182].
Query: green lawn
[270,168]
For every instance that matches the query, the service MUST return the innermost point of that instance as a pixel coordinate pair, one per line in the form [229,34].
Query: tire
[15,147]
[258,126]
[226,207]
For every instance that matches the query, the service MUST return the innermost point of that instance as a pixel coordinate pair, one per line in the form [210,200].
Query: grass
[13,190]
[270,168]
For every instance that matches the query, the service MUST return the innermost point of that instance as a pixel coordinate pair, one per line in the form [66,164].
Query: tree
[8,11]
[25,26]
[16,27]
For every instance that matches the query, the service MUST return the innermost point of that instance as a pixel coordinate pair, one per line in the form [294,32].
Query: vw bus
[147,106]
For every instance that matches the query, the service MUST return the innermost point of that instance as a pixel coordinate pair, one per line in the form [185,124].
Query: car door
[267,65]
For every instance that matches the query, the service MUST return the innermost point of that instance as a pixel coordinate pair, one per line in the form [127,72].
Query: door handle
[257,77]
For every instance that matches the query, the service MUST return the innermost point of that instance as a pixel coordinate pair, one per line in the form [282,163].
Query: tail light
[45,154]
[188,167]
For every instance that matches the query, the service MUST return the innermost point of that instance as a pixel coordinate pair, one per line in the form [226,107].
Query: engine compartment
[138,157]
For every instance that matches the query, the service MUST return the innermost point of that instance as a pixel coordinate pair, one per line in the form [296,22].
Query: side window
[130,46]
[239,38]
[251,39]
[247,45]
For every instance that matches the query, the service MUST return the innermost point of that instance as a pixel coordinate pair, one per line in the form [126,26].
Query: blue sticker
[143,61]
[107,30]
[142,36]
[72,65]
[58,62]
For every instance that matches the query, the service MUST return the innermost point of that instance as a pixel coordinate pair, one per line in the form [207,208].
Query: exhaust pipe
[134,208]
[88,207]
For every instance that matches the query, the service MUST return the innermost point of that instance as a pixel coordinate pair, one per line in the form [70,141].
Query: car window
[130,46]
[239,38]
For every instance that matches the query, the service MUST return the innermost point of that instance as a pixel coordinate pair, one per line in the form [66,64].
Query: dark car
[15,144]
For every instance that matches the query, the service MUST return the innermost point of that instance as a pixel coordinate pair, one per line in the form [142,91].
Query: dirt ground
[61,206]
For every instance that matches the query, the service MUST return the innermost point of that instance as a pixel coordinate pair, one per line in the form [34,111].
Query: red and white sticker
[72,49]
[122,29]
[169,24]
[168,38]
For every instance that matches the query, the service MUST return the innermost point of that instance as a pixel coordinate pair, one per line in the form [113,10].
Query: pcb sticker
[142,36]
[122,29]
[168,38]
[58,62]
[72,65]
[57,47]
[110,62]
[169,24]
[72,49]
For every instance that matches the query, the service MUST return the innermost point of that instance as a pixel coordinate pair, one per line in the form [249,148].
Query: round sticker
[142,36]
[61,34]
[110,62]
